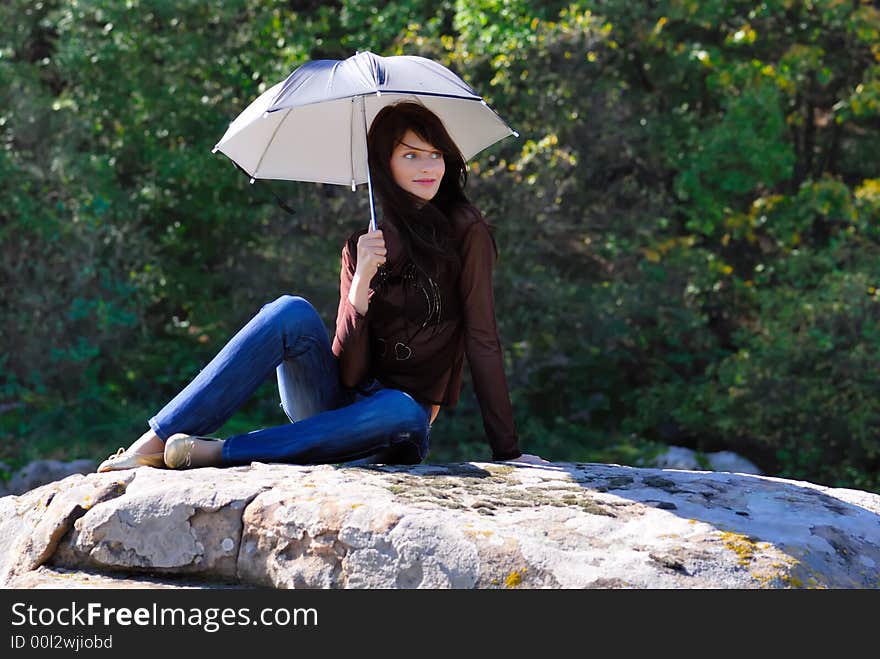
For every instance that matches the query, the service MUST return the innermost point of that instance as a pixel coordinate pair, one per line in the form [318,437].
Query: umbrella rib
[272,139]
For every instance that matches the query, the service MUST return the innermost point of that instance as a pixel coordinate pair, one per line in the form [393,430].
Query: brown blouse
[415,334]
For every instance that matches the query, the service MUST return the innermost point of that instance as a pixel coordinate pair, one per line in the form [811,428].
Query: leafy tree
[688,222]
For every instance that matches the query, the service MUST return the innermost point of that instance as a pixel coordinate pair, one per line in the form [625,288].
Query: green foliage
[689,223]
[742,153]
[802,386]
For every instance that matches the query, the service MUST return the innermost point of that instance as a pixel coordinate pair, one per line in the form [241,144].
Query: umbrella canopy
[313,125]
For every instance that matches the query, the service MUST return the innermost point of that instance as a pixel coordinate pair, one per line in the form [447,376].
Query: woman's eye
[435,155]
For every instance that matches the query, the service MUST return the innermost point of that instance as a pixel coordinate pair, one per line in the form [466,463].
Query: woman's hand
[530,459]
[370,254]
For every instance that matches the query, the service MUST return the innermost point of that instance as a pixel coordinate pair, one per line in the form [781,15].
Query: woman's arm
[482,345]
[351,343]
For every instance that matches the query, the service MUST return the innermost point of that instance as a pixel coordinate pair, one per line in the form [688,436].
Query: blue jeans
[329,423]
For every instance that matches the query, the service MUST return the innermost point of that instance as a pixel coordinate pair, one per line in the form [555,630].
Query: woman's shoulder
[472,230]
[466,216]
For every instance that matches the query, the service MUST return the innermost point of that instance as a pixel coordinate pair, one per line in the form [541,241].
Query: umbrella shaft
[369,178]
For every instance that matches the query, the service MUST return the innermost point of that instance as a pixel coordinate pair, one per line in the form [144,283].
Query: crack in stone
[41,545]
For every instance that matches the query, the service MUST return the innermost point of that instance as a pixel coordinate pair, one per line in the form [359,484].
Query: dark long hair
[425,228]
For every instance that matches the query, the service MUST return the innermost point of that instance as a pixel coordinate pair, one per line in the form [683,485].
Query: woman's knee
[289,310]
[409,436]
[410,416]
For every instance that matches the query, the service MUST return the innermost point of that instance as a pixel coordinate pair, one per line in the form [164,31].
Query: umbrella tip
[215,149]
[353,186]
[252,180]
[514,133]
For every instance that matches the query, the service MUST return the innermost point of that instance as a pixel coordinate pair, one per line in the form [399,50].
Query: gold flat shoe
[179,451]
[122,459]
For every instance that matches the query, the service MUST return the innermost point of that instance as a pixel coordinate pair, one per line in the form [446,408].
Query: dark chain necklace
[434,302]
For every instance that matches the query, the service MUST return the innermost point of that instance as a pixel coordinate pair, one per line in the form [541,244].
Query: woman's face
[417,166]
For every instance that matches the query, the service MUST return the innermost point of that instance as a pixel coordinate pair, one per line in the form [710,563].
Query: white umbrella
[313,125]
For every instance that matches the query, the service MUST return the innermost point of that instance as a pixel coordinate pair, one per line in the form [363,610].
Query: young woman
[415,299]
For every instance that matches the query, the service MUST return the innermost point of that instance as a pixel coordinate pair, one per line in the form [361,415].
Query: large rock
[40,472]
[5,475]
[471,525]
[679,457]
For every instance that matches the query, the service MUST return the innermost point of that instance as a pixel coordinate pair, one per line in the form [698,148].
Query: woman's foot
[123,459]
[184,451]
[147,451]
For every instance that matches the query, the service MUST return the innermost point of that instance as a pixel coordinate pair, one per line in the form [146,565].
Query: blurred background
[689,223]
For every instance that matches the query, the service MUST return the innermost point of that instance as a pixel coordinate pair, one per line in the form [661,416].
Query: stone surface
[5,475]
[679,457]
[31,525]
[40,472]
[65,579]
[470,525]
[676,457]
[730,461]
